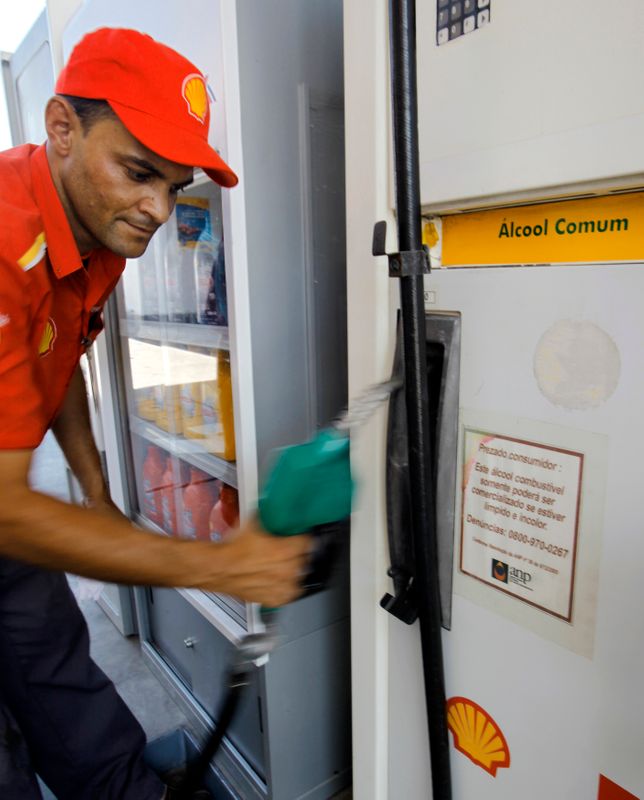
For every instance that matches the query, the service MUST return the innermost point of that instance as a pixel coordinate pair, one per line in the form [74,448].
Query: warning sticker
[520,516]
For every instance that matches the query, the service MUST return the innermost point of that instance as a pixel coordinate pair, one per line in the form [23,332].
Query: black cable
[197,769]
[405,119]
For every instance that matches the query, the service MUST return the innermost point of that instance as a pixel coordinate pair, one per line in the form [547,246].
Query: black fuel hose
[423,522]
[196,770]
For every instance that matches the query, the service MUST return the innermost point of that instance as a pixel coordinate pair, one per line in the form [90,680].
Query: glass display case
[176,367]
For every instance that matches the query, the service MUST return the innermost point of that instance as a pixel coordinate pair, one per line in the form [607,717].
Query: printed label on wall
[520,516]
[593,230]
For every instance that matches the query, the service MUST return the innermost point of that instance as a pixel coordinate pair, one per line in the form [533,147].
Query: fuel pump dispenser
[531,195]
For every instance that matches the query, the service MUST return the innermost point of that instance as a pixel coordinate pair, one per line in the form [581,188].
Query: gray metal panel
[172,621]
[308,704]
[325,608]
[278,168]
[327,267]
[200,655]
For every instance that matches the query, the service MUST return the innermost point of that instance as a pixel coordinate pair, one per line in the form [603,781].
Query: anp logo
[499,570]
[196,96]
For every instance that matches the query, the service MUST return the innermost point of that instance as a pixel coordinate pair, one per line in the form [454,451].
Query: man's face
[116,192]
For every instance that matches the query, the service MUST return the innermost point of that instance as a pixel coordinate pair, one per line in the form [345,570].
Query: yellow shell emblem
[430,234]
[48,338]
[477,735]
[196,96]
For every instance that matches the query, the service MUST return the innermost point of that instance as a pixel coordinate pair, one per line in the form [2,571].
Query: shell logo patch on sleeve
[477,735]
[48,338]
[611,791]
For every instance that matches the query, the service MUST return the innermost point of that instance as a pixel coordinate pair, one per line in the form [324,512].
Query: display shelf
[186,333]
[234,623]
[188,450]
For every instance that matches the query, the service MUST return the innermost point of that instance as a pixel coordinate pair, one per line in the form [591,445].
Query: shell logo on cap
[477,735]
[48,338]
[195,94]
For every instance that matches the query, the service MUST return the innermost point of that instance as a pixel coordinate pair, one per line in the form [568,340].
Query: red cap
[160,96]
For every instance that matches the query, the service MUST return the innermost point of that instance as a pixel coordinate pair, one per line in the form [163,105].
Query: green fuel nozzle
[309,484]
[309,487]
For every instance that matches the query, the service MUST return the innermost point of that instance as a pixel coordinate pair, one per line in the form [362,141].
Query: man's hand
[101,543]
[106,506]
[262,568]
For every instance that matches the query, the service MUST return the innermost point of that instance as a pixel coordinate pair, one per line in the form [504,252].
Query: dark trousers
[59,713]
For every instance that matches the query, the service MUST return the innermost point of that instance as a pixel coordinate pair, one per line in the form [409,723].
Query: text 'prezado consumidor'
[520,518]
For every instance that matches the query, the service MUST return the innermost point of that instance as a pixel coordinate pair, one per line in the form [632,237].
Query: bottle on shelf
[179,293]
[188,259]
[215,311]
[167,400]
[145,404]
[225,513]
[151,307]
[190,396]
[199,496]
[225,404]
[169,490]
[210,417]
[203,261]
[158,404]
[154,468]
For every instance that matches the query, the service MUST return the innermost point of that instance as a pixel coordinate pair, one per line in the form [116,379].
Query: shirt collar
[61,245]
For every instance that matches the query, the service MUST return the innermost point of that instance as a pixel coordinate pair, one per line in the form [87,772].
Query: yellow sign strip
[576,231]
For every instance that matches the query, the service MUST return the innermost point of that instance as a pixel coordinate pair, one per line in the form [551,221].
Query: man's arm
[86,541]
[73,431]
[41,530]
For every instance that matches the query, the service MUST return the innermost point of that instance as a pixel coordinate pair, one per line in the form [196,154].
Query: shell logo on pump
[477,735]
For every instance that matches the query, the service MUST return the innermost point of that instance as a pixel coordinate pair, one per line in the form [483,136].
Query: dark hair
[89,111]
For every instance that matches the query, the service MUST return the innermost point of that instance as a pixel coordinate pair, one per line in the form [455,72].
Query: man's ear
[62,125]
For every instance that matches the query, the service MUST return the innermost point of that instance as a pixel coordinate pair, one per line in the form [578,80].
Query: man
[71,211]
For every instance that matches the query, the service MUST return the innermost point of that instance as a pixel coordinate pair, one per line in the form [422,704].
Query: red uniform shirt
[50,302]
